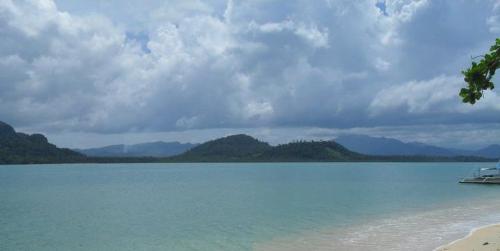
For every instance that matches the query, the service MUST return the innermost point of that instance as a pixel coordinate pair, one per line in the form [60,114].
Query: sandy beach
[439,228]
[482,239]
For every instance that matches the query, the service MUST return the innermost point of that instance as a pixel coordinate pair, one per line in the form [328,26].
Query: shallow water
[310,206]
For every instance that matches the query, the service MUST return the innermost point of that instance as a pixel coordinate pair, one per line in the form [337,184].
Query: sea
[241,206]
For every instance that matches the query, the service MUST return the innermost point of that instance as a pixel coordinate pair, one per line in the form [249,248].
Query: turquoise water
[214,206]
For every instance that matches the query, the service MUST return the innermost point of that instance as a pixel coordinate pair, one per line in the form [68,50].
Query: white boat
[489,175]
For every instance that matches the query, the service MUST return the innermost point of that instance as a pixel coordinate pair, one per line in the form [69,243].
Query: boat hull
[481,180]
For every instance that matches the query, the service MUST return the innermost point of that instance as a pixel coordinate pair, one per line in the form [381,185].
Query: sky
[95,72]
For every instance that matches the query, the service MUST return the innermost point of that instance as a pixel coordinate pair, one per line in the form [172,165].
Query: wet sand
[417,232]
[483,239]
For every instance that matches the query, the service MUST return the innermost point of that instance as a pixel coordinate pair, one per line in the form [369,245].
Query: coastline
[482,238]
[429,229]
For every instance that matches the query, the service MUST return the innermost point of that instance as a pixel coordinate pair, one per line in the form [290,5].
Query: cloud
[310,33]
[493,21]
[437,94]
[433,101]
[106,67]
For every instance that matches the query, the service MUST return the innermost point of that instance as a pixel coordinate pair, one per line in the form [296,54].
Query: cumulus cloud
[432,101]
[105,67]
[437,94]
[309,33]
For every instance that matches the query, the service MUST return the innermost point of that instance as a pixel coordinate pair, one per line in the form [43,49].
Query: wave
[425,230]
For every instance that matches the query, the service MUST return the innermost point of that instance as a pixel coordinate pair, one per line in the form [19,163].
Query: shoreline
[441,228]
[482,238]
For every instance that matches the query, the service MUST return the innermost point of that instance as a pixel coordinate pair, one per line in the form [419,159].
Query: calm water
[236,206]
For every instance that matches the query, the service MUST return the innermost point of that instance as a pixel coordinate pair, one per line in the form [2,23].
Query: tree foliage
[231,148]
[21,148]
[478,76]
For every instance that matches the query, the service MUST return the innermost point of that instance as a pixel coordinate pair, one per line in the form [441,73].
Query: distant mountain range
[152,149]
[389,147]
[20,148]
[491,151]
[363,144]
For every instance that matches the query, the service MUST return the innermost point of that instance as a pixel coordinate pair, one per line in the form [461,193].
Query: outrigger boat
[485,176]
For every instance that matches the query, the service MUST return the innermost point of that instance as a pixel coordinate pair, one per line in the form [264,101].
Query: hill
[390,147]
[20,148]
[309,151]
[382,146]
[152,149]
[491,151]
[238,147]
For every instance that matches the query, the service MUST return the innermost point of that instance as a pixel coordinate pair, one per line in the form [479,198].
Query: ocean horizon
[241,206]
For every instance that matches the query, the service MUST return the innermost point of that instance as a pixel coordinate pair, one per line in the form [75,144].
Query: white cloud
[439,94]
[397,13]
[256,109]
[494,24]
[494,20]
[382,64]
[419,96]
[403,10]
[310,33]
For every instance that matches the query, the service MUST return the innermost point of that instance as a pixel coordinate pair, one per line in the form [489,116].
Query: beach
[421,231]
[482,239]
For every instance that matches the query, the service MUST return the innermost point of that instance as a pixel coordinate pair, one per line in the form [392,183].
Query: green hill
[231,148]
[310,151]
[20,148]
[244,148]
